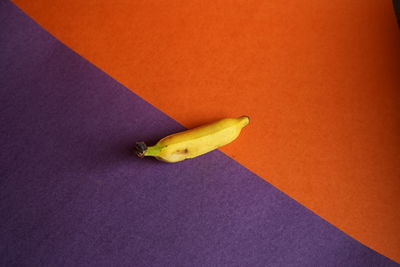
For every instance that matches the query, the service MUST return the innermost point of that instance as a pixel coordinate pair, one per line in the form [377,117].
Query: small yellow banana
[195,142]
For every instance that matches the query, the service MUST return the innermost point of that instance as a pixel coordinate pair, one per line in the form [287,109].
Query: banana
[195,142]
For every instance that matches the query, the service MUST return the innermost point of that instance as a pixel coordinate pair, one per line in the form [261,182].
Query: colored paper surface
[319,79]
[72,193]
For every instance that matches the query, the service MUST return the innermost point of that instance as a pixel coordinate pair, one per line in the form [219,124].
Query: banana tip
[140,148]
[246,117]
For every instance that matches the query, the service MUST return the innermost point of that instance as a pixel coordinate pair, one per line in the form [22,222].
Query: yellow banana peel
[194,142]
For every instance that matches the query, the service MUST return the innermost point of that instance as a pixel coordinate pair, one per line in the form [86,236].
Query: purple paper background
[72,194]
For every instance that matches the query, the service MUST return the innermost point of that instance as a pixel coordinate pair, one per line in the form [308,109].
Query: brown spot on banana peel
[184,151]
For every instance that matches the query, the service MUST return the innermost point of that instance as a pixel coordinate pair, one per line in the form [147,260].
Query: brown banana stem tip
[140,148]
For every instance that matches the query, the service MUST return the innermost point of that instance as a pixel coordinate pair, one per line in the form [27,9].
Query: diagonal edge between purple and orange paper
[334,125]
[72,195]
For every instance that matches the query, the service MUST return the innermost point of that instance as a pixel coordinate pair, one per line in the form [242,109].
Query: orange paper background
[319,79]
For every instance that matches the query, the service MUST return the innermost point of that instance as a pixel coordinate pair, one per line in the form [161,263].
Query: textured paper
[72,194]
[319,79]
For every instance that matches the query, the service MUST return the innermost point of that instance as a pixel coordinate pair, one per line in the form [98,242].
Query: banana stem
[152,151]
[142,150]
